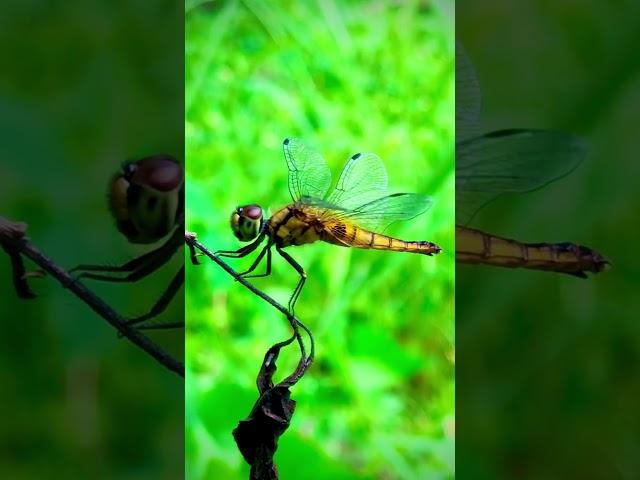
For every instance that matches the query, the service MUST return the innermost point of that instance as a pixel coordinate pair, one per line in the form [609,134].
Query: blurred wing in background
[510,161]
[468,99]
[505,161]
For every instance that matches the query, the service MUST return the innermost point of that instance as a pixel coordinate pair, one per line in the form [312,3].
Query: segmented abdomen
[352,236]
[474,246]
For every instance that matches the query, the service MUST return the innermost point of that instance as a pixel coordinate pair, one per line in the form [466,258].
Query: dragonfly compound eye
[246,222]
[159,172]
[146,197]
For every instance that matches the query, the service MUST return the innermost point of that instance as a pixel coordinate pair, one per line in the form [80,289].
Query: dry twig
[17,245]
[257,436]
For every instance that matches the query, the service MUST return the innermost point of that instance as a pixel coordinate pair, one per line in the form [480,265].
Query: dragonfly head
[146,197]
[247,222]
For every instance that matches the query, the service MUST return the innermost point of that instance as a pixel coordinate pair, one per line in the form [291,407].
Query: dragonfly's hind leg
[303,278]
[161,305]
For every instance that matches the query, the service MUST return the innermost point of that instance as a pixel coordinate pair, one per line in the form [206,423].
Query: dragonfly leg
[126,267]
[305,361]
[147,263]
[161,305]
[243,252]
[193,255]
[267,272]
[303,278]
[152,264]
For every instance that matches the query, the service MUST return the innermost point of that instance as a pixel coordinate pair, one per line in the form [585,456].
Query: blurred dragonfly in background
[353,215]
[146,200]
[509,161]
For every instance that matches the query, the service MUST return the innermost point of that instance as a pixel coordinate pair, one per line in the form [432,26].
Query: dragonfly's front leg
[257,261]
[303,278]
[244,251]
[140,271]
[128,267]
[136,269]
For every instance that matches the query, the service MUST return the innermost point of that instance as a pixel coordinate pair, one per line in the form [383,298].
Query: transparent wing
[378,214]
[467,97]
[362,180]
[309,175]
[510,161]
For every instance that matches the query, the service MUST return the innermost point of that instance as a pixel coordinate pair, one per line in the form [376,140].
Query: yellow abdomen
[296,225]
[474,246]
[353,236]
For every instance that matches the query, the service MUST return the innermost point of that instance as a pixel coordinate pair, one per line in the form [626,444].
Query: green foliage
[81,94]
[345,77]
[547,376]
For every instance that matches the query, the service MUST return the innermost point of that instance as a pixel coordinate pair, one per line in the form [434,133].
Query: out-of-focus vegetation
[345,77]
[85,86]
[547,377]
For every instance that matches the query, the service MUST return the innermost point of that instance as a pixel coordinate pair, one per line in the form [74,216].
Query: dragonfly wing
[378,214]
[468,98]
[510,161]
[309,175]
[363,179]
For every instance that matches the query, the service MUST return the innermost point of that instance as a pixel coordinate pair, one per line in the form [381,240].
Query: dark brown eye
[160,172]
[254,212]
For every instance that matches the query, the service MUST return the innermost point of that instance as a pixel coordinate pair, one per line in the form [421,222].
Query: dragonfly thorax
[247,222]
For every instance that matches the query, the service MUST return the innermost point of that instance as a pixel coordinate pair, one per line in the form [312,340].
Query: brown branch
[14,242]
[257,435]
[306,361]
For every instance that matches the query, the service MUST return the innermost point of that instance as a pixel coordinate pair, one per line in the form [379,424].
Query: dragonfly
[503,162]
[354,214]
[146,200]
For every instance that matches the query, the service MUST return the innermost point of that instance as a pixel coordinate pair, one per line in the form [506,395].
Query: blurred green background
[345,77]
[547,368]
[85,85]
